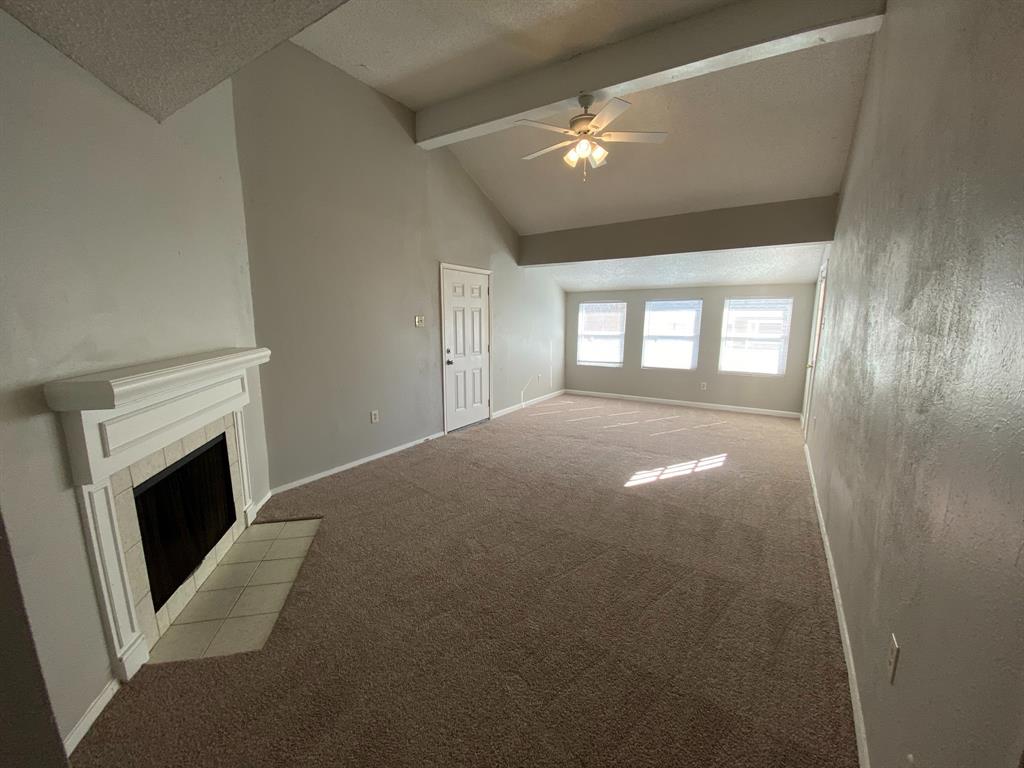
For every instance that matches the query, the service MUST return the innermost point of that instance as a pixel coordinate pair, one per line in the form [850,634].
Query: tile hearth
[237,606]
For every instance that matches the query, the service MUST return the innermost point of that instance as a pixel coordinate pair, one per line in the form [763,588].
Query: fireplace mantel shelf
[105,390]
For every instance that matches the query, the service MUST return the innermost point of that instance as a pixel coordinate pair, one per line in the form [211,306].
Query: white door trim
[477,270]
[490,333]
[817,318]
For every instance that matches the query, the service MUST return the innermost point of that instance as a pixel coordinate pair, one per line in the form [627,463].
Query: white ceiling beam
[811,220]
[725,37]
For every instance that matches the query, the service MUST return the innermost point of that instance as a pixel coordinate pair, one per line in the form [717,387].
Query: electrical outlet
[420,321]
[374,416]
[703,386]
[894,657]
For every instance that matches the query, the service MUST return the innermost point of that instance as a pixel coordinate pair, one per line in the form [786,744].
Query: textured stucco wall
[917,424]
[347,223]
[122,241]
[774,393]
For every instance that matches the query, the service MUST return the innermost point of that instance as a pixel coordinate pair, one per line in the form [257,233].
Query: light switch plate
[894,657]
[421,321]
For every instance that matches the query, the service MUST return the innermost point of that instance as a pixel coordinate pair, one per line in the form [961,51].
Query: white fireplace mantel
[114,418]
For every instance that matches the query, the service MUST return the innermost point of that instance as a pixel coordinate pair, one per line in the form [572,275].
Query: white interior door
[465,304]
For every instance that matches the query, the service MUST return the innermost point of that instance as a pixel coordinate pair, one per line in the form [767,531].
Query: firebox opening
[184,511]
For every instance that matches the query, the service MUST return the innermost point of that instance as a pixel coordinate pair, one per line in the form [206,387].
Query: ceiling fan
[587,133]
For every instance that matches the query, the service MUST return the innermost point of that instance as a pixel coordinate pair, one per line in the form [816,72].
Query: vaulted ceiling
[770,126]
[162,54]
[778,129]
[423,52]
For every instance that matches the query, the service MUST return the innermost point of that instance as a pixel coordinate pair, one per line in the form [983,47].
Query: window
[671,334]
[755,336]
[601,334]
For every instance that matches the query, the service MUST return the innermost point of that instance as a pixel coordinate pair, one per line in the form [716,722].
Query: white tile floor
[236,607]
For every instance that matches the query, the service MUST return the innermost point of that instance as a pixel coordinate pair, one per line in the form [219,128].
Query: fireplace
[159,427]
[184,510]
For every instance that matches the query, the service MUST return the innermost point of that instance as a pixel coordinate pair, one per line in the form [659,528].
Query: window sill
[755,375]
[666,368]
[598,365]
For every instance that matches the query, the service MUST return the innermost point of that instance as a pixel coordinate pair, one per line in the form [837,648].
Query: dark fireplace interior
[183,512]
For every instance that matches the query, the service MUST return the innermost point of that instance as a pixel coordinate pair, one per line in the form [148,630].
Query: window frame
[695,337]
[785,338]
[622,336]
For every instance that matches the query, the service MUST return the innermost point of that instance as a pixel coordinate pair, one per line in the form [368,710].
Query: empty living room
[512,383]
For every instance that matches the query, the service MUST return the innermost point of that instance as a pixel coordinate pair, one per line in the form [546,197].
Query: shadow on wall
[26,403]
[28,730]
[405,119]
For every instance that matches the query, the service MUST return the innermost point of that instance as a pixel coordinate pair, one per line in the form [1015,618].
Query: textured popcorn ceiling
[162,54]
[774,265]
[420,52]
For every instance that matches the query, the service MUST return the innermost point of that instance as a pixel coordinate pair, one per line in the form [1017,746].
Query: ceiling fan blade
[546,127]
[609,112]
[634,137]
[552,148]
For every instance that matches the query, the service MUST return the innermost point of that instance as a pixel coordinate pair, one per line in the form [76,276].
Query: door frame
[818,321]
[490,331]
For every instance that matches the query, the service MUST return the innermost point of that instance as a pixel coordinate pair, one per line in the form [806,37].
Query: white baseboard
[85,723]
[844,633]
[687,403]
[351,464]
[511,408]
[254,509]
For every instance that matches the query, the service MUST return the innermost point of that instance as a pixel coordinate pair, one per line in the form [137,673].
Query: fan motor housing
[581,123]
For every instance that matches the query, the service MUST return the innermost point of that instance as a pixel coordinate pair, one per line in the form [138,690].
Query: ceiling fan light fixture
[588,133]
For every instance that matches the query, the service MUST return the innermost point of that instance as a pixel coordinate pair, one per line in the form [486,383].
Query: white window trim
[696,338]
[723,337]
[625,315]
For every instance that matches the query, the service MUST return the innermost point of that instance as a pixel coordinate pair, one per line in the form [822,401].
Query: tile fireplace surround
[122,427]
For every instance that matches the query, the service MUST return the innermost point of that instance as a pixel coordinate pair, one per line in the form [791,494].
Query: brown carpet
[499,597]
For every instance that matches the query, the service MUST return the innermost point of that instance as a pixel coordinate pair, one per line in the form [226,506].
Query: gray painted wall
[918,417]
[347,223]
[123,241]
[776,393]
